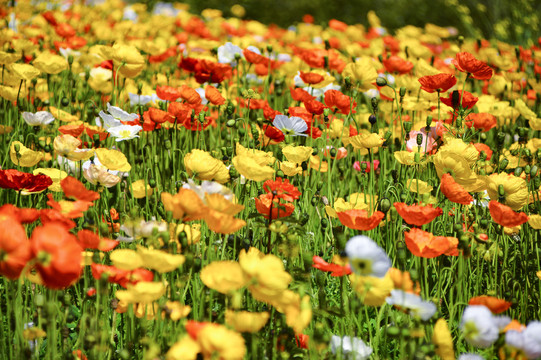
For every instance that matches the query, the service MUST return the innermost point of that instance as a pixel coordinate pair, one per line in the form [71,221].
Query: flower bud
[533,171]
[385,205]
[503,164]
[372,119]
[381,81]
[419,139]
[402,91]
[518,171]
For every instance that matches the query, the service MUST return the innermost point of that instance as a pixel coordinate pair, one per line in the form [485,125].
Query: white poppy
[294,126]
[366,257]
[479,326]
[414,303]
[40,118]
[124,132]
[227,52]
[351,347]
[528,340]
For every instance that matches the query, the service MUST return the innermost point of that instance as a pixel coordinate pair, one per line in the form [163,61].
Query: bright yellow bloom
[49,63]
[535,221]
[205,167]
[139,190]
[142,293]
[245,321]
[113,159]
[176,310]
[223,276]
[24,71]
[362,73]
[515,188]
[297,154]
[226,344]
[290,168]
[126,259]
[159,260]
[127,60]
[24,156]
[418,186]
[372,290]
[56,175]
[443,340]
[366,141]
[185,349]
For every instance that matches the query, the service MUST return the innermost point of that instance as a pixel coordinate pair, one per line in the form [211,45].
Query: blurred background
[514,21]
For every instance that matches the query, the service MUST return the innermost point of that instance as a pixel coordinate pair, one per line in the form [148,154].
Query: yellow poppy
[139,190]
[56,175]
[143,292]
[49,63]
[205,167]
[245,321]
[185,349]
[159,260]
[443,340]
[223,276]
[217,340]
[22,156]
[297,154]
[515,189]
[113,159]
[126,259]
[372,290]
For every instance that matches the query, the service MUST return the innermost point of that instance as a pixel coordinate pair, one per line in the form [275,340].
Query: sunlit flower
[443,340]
[413,303]
[528,341]
[293,126]
[39,118]
[350,347]
[478,326]
[124,132]
[366,257]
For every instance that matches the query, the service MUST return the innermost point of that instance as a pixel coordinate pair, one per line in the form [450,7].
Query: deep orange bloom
[159,116]
[58,255]
[213,95]
[168,93]
[299,94]
[64,30]
[93,130]
[270,206]
[119,276]
[14,246]
[314,107]
[467,63]
[23,215]
[190,95]
[17,180]
[73,130]
[75,189]
[468,100]
[338,25]
[282,189]
[505,216]
[395,64]
[334,98]
[311,77]
[454,191]
[334,269]
[53,216]
[359,219]
[424,244]
[90,240]
[483,147]
[69,209]
[482,121]
[439,82]
[254,58]
[416,214]
[495,304]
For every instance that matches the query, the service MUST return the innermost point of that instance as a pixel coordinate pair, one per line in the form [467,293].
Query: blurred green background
[514,21]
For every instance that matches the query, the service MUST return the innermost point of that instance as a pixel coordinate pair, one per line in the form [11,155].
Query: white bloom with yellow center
[124,132]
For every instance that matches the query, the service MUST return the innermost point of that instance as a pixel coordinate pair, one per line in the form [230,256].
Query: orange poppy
[120,276]
[282,189]
[58,255]
[334,269]
[482,121]
[454,191]
[426,245]
[69,209]
[395,64]
[73,130]
[14,246]
[90,240]
[214,96]
[64,30]
[505,216]
[334,98]
[402,281]
[269,205]
[92,130]
[483,147]
[168,93]
[468,100]
[338,25]
[314,107]
[23,215]
[159,116]
[466,62]
[75,189]
[190,95]
[53,216]
[439,82]
[359,219]
[311,77]
[254,58]
[495,304]
[416,214]
[299,94]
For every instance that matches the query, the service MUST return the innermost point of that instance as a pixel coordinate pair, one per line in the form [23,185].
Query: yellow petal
[126,259]
[113,159]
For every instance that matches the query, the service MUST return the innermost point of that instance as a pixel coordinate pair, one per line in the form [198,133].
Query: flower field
[179,187]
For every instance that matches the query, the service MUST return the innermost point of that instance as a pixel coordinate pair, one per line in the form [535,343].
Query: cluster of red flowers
[270,204]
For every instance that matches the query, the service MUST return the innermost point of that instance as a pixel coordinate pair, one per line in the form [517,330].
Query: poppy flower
[213,95]
[14,246]
[120,276]
[515,189]
[417,215]
[483,147]
[64,30]
[58,255]
[495,304]
[505,216]
[311,78]
[426,245]
[244,321]
[23,215]
[69,209]
[334,98]
[292,126]
[254,58]
[359,219]
[482,121]
[90,240]
[439,82]
[468,100]
[273,133]
[334,269]
[17,180]
[467,63]
[48,216]
[282,189]
[299,94]
[270,206]
[314,107]
[75,189]
[73,130]
[208,71]
[168,93]
[454,191]
[395,64]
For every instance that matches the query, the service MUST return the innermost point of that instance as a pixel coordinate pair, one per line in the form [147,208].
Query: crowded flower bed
[180,186]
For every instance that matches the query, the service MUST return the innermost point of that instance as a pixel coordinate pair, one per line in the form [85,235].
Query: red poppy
[395,64]
[179,110]
[208,71]
[467,63]
[505,216]
[301,339]
[93,130]
[75,189]
[69,209]
[282,189]
[417,215]
[90,240]
[311,77]
[334,98]
[255,58]
[17,180]
[483,147]
[14,247]
[49,16]
[273,133]
[359,219]
[334,269]
[23,215]
[482,121]
[64,30]
[314,107]
[270,206]
[439,82]
[190,95]
[299,94]
[159,116]
[424,244]
[214,96]
[269,113]
[119,276]
[454,191]
[168,93]
[300,112]
[495,304]
[50,216]
[73,130]
[468,100]
[58,255]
